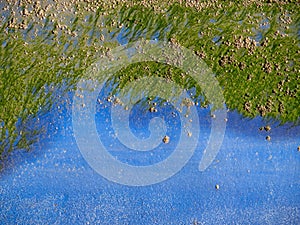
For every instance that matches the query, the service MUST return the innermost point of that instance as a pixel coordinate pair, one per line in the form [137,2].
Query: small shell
[152,109]
[166,139]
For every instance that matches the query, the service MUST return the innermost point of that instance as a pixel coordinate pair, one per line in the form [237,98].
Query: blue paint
[4,44]
[259,180]
[139,122]
[265,24]
[216,40]
[212,20]
[121,38]
[53,184]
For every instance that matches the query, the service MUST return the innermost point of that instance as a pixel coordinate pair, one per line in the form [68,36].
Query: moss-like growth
[251,46]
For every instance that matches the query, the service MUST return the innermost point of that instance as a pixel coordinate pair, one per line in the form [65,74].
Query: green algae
[253,49]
